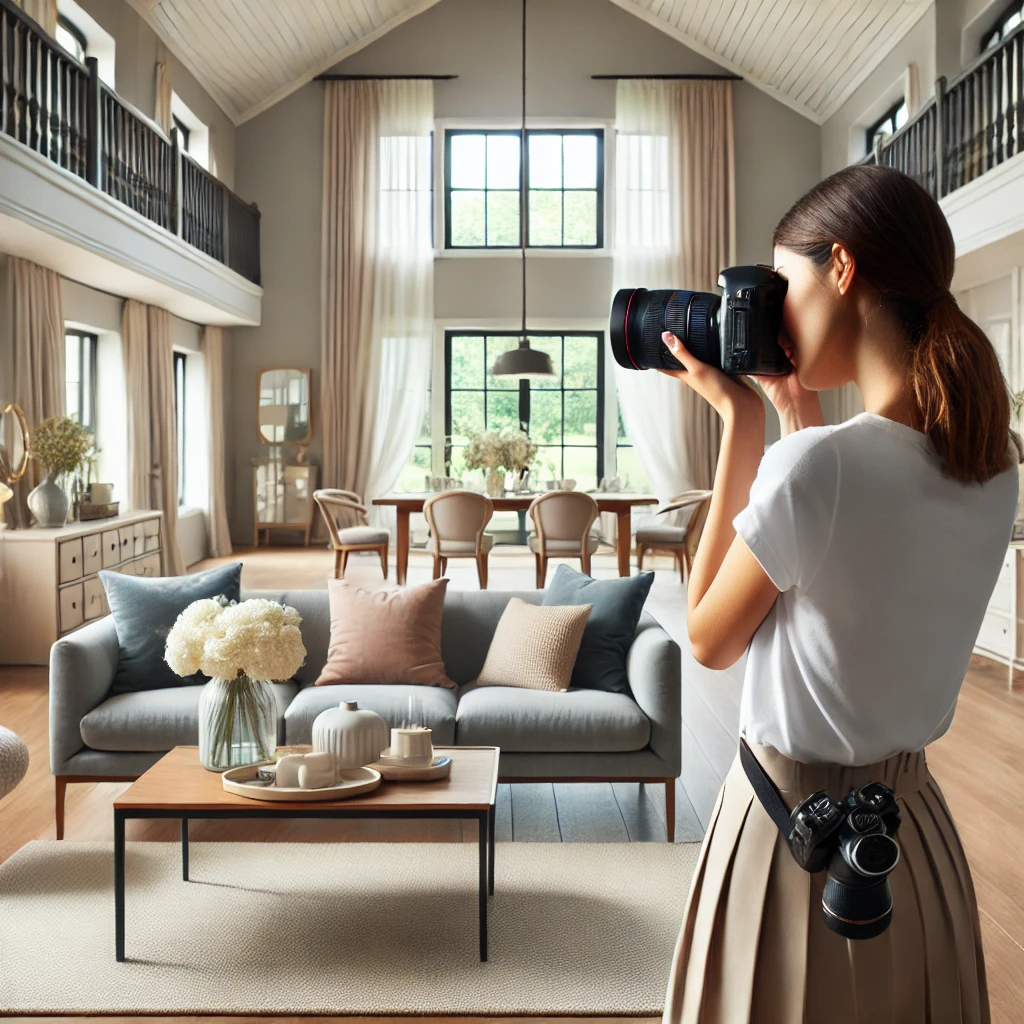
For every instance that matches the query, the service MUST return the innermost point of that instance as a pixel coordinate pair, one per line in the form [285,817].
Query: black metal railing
[973,123]
[59,108]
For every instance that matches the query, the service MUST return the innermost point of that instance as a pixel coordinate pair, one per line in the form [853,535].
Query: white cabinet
[49,585]
[999,636]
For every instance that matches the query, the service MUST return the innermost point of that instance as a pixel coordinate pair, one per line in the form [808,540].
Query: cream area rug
[347,928]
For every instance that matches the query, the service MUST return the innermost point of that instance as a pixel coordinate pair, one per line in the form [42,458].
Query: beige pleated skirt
[754,949]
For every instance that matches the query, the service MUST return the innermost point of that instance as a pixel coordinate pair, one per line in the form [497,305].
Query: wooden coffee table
[178,786]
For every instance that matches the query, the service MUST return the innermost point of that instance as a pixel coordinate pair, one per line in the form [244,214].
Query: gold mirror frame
[10,475]
[308,374]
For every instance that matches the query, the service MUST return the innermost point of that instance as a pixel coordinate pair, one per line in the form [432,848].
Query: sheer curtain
[675,226]
[162,113]
[38,363]
[377,294]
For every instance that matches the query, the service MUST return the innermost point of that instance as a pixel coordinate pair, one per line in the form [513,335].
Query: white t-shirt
[885,568]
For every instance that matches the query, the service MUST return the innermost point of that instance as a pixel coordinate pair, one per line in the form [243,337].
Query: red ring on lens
[625,329]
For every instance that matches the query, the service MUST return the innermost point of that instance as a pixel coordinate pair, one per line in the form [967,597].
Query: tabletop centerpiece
[243,646]
[59,445]
[499,452]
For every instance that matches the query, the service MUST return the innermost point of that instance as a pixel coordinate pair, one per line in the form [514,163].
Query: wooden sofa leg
[670,809]
[60,786]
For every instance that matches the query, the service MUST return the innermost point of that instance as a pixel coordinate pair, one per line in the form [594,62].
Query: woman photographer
[856,562]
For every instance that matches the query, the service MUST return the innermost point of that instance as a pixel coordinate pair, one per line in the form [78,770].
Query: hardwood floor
[979,764]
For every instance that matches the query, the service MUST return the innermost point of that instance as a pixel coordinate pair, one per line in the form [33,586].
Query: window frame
[524,388]
[72,29]
[183,132]
[87,344]
[987,42]
[600,134]
[179,367]
[889,115]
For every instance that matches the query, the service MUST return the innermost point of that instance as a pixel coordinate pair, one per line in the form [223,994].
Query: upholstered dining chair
[337,507]
[563,520]
[681,541]
[457,519]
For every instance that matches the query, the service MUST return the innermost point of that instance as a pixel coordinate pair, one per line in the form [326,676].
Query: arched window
[71,37]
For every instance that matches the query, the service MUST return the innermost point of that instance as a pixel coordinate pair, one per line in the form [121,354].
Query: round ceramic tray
[242,782]
[439,768]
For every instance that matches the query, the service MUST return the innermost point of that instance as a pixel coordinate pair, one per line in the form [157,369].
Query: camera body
[853,841]
[738,331]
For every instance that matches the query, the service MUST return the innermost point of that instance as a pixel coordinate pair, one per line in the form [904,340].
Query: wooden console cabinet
[48,578]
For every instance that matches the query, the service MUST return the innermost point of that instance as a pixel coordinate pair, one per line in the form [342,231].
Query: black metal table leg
[119,885]
[491,815]
[184,849]
[482,898]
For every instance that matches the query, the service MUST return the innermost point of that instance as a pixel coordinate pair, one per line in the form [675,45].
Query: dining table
[618,502]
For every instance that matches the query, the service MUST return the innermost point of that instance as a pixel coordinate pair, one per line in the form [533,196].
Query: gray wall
[279,156]
[137,50]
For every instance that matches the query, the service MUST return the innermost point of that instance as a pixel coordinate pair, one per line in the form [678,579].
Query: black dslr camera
[853,840]
[737,331]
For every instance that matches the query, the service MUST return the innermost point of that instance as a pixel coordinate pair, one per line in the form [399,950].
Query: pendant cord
[522,176]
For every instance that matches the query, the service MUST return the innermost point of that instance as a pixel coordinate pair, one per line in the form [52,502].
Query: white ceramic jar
[355,735]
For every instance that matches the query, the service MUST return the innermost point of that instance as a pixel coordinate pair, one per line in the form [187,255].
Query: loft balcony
[966,147]
[93,188]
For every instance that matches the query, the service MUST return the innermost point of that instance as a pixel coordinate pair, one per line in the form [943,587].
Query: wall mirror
[283,412]
[13,444]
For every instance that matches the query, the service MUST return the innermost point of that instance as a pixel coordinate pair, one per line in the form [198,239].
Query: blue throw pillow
[144,610]
[601,662]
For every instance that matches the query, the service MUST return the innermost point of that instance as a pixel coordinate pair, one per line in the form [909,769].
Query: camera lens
[640,316]
[875,854]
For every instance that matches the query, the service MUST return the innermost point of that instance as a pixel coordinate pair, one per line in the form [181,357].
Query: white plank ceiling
[809,54]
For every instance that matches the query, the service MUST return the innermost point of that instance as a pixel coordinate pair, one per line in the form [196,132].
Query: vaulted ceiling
[809,54]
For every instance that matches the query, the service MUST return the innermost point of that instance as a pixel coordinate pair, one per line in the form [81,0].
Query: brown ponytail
[902,245]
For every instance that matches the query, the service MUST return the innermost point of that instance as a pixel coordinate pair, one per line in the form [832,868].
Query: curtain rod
[712,78]
[370,78]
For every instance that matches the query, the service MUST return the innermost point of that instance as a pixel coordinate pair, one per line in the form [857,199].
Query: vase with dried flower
[243,646]
[59,445]
[500,452]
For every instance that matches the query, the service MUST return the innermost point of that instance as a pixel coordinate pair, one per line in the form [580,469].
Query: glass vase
[237,723]
[495,482]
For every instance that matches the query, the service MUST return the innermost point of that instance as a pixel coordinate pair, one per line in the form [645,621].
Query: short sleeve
[788,521]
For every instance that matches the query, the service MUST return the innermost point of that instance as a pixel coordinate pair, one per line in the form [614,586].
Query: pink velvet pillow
[385,636]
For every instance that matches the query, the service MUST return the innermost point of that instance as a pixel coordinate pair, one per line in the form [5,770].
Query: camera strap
[765,790]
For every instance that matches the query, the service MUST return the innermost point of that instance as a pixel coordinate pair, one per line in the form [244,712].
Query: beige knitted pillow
[534,646]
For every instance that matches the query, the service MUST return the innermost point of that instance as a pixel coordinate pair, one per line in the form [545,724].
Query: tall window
[1009,18]
[888,124]
[628,467]
[183,133]
[80,376]
[180,412]
[564,414]
[564,187]
[71,37]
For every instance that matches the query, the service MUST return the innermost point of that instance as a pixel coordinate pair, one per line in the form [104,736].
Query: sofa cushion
[385,637]
[145,609]
[432,706]
[541,721]
[157,719]
[609,631]
[534,647]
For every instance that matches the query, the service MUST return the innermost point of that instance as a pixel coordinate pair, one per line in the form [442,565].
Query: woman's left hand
[725,394]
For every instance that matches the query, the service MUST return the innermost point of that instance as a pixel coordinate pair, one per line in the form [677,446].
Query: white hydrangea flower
[257,638]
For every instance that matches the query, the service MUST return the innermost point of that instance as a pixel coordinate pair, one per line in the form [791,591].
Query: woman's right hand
[796,405]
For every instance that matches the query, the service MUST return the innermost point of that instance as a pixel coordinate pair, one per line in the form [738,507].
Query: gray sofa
[580,735]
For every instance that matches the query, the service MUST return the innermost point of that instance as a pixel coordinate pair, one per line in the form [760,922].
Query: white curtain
[219,537]
[675,227]
[377,293]
[38,364]
[162,113]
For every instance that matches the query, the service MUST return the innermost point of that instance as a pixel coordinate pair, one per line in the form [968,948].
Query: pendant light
[523,362]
